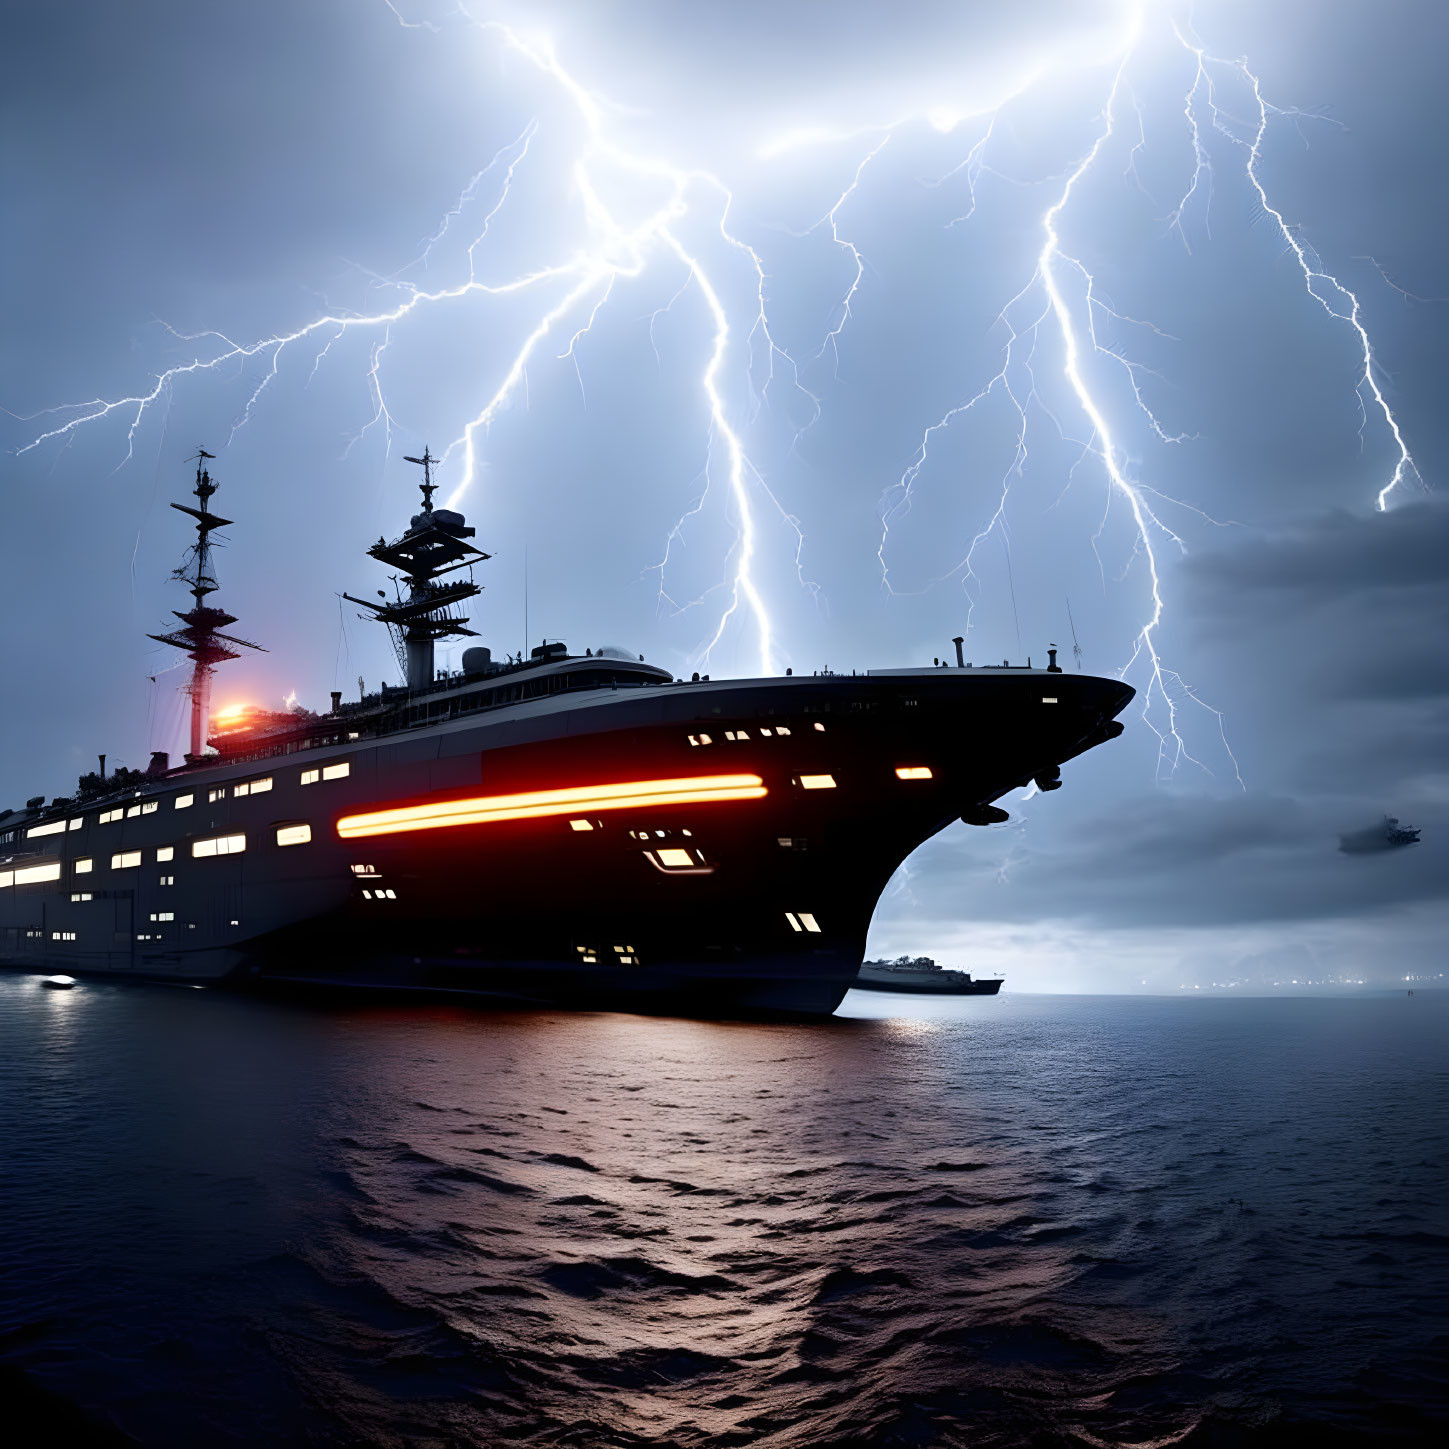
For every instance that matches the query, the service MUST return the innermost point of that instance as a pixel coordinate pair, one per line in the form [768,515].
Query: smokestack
[200,708]
[336,700]
[160,763]
[958,641]
[102,759]
[420,660]
[1052,667]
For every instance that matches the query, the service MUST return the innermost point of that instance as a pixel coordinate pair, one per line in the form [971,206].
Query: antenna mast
[202,638]
[433,546]
[1076,648]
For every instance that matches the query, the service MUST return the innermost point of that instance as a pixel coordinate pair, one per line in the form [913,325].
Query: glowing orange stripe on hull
[534,804]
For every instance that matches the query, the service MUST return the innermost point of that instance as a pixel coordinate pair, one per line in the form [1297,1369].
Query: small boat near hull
[922,977]
[58,983]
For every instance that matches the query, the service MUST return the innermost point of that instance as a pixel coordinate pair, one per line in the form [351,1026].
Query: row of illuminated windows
[200,850]
[806,782]
[30,874]
[327,772]
[131,859]
[623,955]
[141,936]
[54,827]
[903,772]
[158,917]
[182,802]
[802,921]
[766,732]
[39,935]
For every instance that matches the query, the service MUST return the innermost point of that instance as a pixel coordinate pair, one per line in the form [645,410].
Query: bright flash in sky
[1056,375]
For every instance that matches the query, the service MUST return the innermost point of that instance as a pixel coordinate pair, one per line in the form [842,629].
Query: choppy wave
[1015,1220]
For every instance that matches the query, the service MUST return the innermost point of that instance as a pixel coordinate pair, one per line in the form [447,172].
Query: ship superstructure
[435,545]
[557,827]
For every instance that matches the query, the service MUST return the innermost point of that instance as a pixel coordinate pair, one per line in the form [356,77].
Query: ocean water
[1000,1221]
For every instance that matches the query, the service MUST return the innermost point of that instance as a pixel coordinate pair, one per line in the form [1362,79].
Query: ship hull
[751,898]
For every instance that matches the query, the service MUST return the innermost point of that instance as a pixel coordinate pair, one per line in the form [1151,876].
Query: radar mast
[433,546]
[202,638]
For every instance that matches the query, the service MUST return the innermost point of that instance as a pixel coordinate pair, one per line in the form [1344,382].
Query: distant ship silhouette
[922,976]
[1390,835]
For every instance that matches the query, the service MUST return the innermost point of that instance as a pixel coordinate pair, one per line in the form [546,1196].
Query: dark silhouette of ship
[1389,835]
[922,976]
[561,828]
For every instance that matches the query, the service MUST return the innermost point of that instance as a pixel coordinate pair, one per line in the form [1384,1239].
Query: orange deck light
[535,804]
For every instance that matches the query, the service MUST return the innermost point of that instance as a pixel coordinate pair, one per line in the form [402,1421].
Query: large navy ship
[577,829]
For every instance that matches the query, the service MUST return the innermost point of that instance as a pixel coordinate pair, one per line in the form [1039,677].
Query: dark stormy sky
[182,181]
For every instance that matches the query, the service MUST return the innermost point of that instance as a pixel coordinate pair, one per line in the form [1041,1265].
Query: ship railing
[400,709]
[22,849]
[425,711]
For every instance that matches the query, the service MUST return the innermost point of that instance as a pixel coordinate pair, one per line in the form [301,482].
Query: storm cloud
[1334,630]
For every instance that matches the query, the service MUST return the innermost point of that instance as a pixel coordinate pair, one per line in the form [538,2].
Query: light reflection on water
[962,1221]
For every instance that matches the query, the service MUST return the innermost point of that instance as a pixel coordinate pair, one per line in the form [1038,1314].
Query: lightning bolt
[832,220]
[1054,361]
[1332,296]
[615,249]
[1171,745]
[1054,267]
[1064,290]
